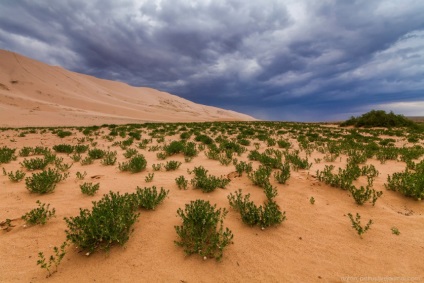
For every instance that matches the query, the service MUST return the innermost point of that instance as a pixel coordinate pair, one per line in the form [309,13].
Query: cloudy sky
[298,60]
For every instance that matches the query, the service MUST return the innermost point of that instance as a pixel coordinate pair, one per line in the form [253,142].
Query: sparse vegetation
[39,215]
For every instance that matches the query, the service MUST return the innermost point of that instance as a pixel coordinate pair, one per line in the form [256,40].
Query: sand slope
[35,94]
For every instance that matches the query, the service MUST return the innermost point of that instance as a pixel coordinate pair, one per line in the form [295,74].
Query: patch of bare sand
[315,244]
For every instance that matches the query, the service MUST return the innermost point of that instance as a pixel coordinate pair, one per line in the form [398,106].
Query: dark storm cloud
[295,60]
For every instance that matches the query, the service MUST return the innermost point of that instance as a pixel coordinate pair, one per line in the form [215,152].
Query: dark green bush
[96,153]
[44,182]
[39,215]
[7,154]
[149,197]
[379,118]
[108,223]
[63,148]
[89,189]
[202,230]
[136,164]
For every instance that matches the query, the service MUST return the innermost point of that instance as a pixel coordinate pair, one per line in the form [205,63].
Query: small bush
[264,216]
[63,148]
[410,184]
[172,165]
[202,230]
[44,182]
[364,194]
[89,189]
[39,215]
[149,198]
[181,182]
[62,134]
[260,177]
[96,153]
[26,151]
[136,164]
[62,166]
[109,222]
[243,167]
[80,175]
[174,147]
[109,158]
[53,259]
[149,177]
[207,183]
[356,224]
[15,177]
[283,175]
[80,148]
[35,163]
[87,161]
[130,152]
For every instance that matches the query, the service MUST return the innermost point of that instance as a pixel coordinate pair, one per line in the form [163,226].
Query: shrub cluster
[207,183]
[202,230]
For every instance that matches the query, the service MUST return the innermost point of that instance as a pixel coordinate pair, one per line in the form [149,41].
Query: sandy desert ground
[316,242]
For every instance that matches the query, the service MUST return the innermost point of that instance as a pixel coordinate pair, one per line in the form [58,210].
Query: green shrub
[96,153]
[80,148]
[207,183]
[149,177]
[15,177]
[410,184]
[53,259]
[89,189]
[35,163]
[109,158]
[181,182]
[356,224]
[283,174]
[364,194]
[190,150]
[64,148]
[109,222]
[80,175]
[202,230]
[130,152]
[149,197]
[76,157]
[395,231]
[62,166]
[174,147]
[44,182]
[157,167]
[379,118]
[264,216]
[87,161]
[62,134]
[172,165]
[260,177]
[283,144]
[26,151]
[243,167]
[39,215]
[136,164]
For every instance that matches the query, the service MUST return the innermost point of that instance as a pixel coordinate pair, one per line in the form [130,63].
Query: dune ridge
[36,94]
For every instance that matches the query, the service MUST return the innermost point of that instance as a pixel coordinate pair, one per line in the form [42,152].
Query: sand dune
[35,94]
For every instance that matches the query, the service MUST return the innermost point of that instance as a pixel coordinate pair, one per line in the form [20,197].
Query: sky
[292,60]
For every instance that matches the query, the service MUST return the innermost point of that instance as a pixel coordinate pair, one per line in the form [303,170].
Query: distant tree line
[379,118]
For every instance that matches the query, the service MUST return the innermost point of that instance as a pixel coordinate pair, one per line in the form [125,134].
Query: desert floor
[316,242]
